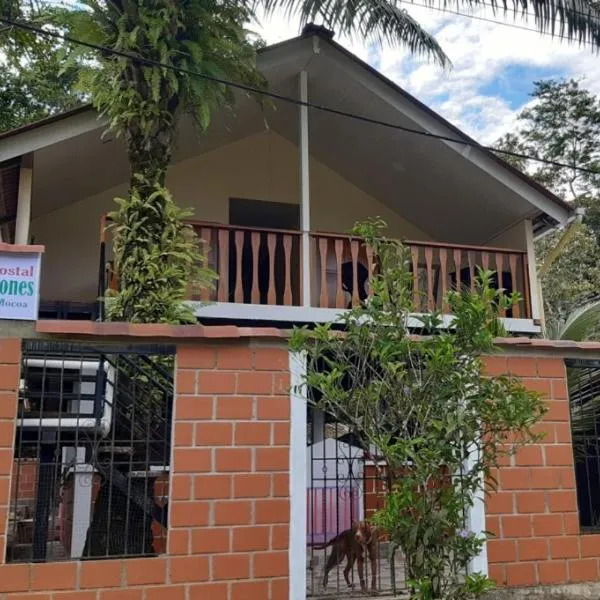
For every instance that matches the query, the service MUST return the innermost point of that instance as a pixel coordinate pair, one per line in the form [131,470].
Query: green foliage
[425,407]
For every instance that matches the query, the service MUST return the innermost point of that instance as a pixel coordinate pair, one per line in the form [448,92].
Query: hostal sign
[19,284]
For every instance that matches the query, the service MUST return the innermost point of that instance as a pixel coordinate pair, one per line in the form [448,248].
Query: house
[275,191]
[217,479]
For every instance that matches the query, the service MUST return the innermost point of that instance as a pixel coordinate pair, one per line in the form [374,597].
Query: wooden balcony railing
[263,266]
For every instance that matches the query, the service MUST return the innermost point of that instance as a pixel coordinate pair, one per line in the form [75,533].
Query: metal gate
[345,485]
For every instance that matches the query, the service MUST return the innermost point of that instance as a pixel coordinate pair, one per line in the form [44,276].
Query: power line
[250,89]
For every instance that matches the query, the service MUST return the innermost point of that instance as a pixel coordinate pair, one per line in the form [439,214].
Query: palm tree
[579,326]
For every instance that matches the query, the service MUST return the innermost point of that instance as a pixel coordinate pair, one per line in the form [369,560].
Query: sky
[494,65]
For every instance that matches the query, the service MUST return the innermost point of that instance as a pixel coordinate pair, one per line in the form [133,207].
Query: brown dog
[352,544]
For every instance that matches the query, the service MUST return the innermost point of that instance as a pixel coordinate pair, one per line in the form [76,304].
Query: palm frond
[376,20]
[578,326]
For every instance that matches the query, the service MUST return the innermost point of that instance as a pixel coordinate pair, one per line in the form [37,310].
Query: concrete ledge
[574,591]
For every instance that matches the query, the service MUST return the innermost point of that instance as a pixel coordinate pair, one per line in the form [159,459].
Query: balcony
[261,274]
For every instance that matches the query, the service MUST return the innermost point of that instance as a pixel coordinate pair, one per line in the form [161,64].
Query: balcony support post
[535,290]
[304,189]
[24,200]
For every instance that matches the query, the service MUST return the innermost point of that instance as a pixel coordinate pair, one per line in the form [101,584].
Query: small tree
[424,408]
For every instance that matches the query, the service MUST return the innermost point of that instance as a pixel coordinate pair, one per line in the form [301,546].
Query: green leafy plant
[424,408]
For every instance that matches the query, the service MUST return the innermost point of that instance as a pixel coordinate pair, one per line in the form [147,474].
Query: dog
[352,544]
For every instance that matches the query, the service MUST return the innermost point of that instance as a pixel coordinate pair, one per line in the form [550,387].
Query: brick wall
[229,492]
[534,514]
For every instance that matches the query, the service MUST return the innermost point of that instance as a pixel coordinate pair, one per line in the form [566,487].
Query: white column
[537,304]
[298,508]
[24,200]
[304,190]
[476,523]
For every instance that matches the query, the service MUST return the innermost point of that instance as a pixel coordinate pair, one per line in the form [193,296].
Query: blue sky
[494,66]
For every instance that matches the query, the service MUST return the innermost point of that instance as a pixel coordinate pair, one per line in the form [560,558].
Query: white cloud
[494,66]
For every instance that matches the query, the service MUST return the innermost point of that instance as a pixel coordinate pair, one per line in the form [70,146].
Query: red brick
[181,487]
[583,570]
[545,432]
[531,502]
[271,359]
[212,487]
[533,549]
[196,357]
[8,405]
[207,591]
[542,386]
[558,410]
[4,490]
[516,526]
[545,479]
[544,525]
[552,572]
[53,576]
[281,485]
[235,407]
[562,432]
[281,434]
[179,541]
[272,511]
[253,434]
[551,367]
[122,594]
[230,566]
[271,564]
[520,574]
[235,358]
[564,547]
[185,382]
[214,434]
[567,478]
[273,408]
[254,382]
[171,592]
[216,382]
[9,377]
[189,514]
[10,351]
[492,524]
[237,512]
[6,461]
[251,486]
[563,501]
[280,537]
[245,590]
[100,573]
[281,384]
[247,539]
[231,460]
[559,455]
[571,523]
[272,459]
[210,540]
[188,568]
[280,589]
[497,573]
[143,571]
[184,434]
[14,578]
[193,407]
[522,367]
[559,389]
[514,479]
[502,551]
[529,456]
[69,596]
[590,546]
[193,460]
[495,365]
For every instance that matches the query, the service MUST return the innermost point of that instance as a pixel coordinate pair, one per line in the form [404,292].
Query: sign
[19,285]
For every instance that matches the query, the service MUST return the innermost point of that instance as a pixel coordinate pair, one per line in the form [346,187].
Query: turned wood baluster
[255,243]
[339,253]
[499,268]
[526,290]
[271,244]
[239,250]
[485,260]
[206,236]
[414,251]
[512,261]
[457,265]
[287,251]
[324,297]
[428,262]
[354,246]
[444,276]
[223,242]
[471,259]
[370,266]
